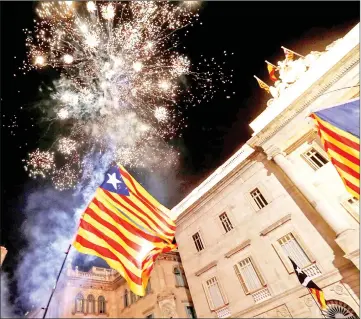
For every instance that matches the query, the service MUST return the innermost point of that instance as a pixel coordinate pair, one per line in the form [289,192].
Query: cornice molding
[310,95]
[238,248]
[275,225]
[308,137]
[206,268]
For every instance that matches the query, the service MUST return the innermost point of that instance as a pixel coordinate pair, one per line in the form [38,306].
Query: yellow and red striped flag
[272,71]
[262,84]
[127,227]
[339,130]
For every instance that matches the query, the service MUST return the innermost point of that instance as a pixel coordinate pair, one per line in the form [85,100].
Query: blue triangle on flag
[113,182]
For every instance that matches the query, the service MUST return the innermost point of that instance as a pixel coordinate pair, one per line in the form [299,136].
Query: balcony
[312,271]
[261,295]
[223,312]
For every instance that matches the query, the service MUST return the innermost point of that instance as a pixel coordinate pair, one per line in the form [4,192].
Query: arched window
[101,304]
[178,277]
[79,303]
[133,297]
[91,304]
[148,288]
[126,303]
[338,309]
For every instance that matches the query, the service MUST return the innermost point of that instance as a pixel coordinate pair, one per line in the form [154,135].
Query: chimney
[3,252]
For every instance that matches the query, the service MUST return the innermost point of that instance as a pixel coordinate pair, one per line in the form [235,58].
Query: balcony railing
[312,271]
[260,295]
[223,312]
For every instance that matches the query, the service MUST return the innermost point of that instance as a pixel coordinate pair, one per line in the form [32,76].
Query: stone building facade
[103,293]
[278,196]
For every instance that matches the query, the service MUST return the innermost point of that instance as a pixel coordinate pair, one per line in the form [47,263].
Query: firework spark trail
[120,76]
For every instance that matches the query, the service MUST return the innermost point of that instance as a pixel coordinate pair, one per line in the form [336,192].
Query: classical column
[346,237]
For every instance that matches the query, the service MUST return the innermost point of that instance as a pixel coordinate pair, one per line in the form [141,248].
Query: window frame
[350,209]
[77,297]
[102,299]
[201,239]
[265,193]
[310,162]
[208,295]
[256,268]
[282,255]
[126,299]
[223,224]
[89,301]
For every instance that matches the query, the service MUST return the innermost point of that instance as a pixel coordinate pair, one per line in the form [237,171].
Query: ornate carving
[339,289]
[166,301]
[309,302]
[279,312]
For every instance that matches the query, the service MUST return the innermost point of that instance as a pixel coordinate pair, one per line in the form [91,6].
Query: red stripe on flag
[112,228]
[111,242]
[338,137]
[107,254]
[143,199]
[351,158]
[345,168]
[129,227]
[352,186]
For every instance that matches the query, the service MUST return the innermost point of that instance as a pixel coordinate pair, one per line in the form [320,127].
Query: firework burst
[118,63]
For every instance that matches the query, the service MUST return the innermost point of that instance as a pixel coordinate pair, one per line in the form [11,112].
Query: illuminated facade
[278,196]
[3,252]
[103,293]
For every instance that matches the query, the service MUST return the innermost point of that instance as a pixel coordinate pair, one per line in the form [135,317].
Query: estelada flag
[127,227]
[308,283]
[339,130]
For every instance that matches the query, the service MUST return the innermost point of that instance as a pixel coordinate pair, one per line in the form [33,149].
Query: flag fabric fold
[127,227]
[308,283]
[262,84]
[288,54]
[272,71]
[339,130]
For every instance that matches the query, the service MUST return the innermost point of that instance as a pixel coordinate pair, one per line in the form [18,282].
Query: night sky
[253,31]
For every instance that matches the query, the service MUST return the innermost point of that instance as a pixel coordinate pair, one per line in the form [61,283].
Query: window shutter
[209,299]
[285,261]
[304,247]
[260,277]
[245,289]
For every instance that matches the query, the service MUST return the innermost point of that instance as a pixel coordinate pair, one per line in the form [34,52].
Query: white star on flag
[113,180]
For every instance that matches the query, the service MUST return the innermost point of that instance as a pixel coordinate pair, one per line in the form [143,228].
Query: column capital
[273,151]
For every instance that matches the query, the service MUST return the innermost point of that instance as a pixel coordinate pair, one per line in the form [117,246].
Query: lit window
[79,303]
[259,198]
[293,250]
[226,222]
[191,312]
[315,159]
[214,292]
[249,276]
[101,304]
[91,304]
[126,301]
[198,241]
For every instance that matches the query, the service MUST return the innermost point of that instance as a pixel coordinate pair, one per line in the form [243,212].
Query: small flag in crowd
[308,283]
[272,70]
[127,227]
[262,84]
[339,130]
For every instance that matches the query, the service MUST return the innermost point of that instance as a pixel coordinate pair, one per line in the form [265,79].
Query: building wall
[256,231]
[166,298]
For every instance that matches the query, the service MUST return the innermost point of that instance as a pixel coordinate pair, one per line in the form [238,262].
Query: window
[259,198]
[148,288]
[133,298]
[191,312]
[79,303]
[91,304]
[351,204]
[214,293]
[292,248]
[249,275]
[180,277]
[198,241]
[226,222]
[126,301]
[315,159]
[101,304]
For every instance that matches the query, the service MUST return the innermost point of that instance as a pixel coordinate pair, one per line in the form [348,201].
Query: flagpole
[292,51]
[57,279]
[316,303]
[271,64]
